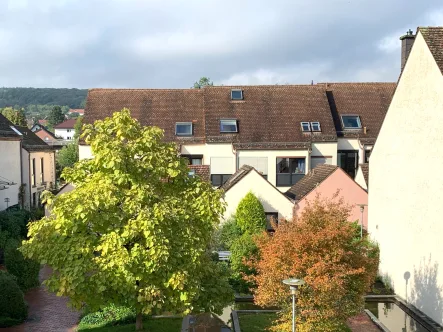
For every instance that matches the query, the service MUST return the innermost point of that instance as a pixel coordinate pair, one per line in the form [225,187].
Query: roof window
[236,94]
[305,126]
[315,126]
[351,121]
[183,129]
[228,126]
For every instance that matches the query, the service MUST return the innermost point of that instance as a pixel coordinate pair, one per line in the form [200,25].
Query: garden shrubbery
[13,309]
[110,315]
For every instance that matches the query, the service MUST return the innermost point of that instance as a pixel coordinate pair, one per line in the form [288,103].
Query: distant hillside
[23,97]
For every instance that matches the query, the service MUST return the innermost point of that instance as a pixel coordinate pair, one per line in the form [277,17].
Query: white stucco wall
[67,134]
[84,152]
[360,179]
[271,199]
[406,181]
[325,149]
[10,169]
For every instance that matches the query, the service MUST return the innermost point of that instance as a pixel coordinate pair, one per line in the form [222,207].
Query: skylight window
[228,126]
[236,94]
[351,121]
[315,126]
[183,128]
[305,126]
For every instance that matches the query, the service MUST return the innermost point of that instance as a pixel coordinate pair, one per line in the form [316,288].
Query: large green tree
[136,229]
[16,116]
[56,116]
[68,155]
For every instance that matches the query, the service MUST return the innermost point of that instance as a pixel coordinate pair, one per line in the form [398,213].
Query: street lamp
[362,209]
[293,285]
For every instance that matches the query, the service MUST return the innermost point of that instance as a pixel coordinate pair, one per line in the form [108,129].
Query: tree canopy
[136,229]
[203,81]
[323,248]
[56,116]
[16,116]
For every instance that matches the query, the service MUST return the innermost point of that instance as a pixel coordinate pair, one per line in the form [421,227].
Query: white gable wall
[270,197]
[360,179]
[406,181]
[10,170]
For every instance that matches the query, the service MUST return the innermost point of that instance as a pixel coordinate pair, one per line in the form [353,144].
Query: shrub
[228,233]
[13,224]
[13,309]
[242,248]
[324,249]
[25,270]
[250,214]
[110,315]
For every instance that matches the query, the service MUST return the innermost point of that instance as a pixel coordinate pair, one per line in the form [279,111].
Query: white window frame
[184,123]
[237,90]
[229,132]
[351,115]
[315,123]
[303,129]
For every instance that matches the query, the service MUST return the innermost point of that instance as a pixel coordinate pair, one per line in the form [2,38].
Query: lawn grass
[152,325]
[256,322]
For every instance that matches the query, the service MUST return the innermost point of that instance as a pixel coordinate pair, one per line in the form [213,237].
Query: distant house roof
[370,101]
[310,181]
[68,124]
[43,122]
[31,142]
[434,39]
[39,132]
[80,111]
[365,171]
[6,129]
[236,177]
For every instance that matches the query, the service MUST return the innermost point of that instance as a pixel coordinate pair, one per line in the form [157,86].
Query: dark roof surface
[310,181]
[268,113]
[68,124]
[368,100]
[31,142]
[236,177]
[5,129]
[203,171]
[434,39]
[151,107]
[365,171]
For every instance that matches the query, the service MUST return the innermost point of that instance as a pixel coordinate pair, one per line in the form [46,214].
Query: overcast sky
[161,44]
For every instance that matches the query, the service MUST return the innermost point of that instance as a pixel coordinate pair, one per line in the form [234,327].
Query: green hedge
[25,270]
[13,309]
[110,315]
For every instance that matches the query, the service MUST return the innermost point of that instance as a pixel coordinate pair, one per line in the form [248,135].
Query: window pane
[196,161]
[315,126]
[216,180]
[305,126]
[183,128]
[283,180]
[225,177]
[297,166]
[295,178]
[283,165]
[351,121]
[228,126]
[236,94]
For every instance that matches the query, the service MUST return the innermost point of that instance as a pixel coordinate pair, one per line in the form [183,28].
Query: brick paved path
[362,323]
[47,312]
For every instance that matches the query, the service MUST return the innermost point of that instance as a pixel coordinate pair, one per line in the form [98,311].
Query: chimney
[406,45]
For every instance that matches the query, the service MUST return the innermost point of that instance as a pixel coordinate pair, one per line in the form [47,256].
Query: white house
[65,129]
[406,178]
[10,168]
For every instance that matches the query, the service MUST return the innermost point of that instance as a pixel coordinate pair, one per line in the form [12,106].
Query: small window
[183,128]
[351,121]
[69,130]
[236,94]
[219,179]
[305,126]
[228,126]
[194,159]
[315,126]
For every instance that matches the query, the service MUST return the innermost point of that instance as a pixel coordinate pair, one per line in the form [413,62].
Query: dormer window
[315,126]
[228,126]
[351,121]
[305,126]
[183,129]
[236,94]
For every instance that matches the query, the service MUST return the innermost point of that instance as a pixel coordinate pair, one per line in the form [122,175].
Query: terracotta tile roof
[368,100]
[203,171]
[68,124]
[434,39]
[268,113]
[151,107]
[310,181]
[365,171]
[5,129]
[31,142]
[236,177]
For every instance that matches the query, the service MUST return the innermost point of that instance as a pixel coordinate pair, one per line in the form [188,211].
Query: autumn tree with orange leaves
[324,249]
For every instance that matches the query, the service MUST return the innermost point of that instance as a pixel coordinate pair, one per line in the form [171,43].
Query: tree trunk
[139,322]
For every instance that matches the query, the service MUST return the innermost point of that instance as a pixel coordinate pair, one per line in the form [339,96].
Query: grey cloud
[135,43]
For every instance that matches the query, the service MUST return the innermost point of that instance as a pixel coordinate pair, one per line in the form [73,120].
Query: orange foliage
[325,250]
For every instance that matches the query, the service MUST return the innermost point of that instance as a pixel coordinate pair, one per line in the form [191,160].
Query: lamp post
[362,209]
[293,285]
[7,200]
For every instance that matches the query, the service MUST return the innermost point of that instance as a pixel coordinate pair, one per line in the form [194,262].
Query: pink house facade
[325,180]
